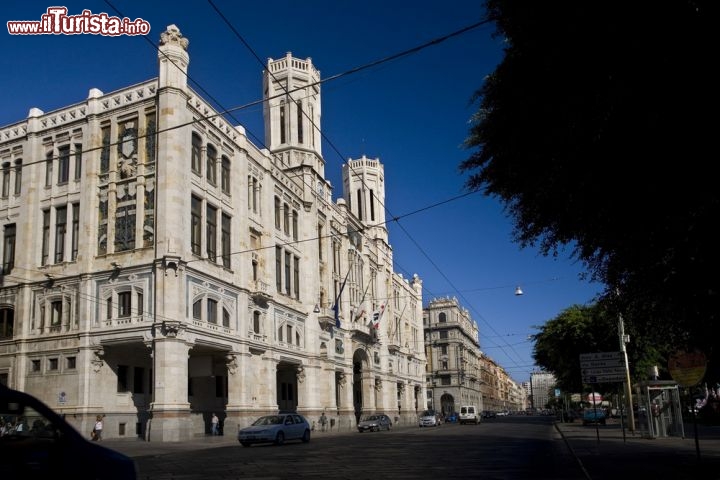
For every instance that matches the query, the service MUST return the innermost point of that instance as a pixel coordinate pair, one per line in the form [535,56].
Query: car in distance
[36,442]
[374,423]
[593,416]
[275,429]
[429,418]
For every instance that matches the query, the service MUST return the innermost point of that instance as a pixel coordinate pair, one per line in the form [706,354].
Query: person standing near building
[97,429]
[215,424]
[323,422]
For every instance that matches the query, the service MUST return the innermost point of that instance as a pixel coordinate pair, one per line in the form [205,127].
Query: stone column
[170,408]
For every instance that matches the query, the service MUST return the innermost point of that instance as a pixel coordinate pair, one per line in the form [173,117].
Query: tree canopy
[595,131]
[587,329]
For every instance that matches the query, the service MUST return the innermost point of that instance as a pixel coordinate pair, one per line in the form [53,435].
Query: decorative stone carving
[172,35]
[231,363]
[97,359]
[172,328]
[341,380]
[378,384]
[300,374]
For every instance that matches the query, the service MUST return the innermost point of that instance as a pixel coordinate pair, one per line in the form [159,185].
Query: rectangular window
[18,177]
[195,225]
[108,308]
[45,237]
[295,225]
[53,364]
[296,277]
[300,122]
[225,240]
[8,249]
[140,309]
[278,269]
[211,165]
[288,265]
[225,175]
[6,180]
[56,308]
[122,378]
[63,164]
[277,213]
[60,231]
[75,230]
[212,310]
[7,322]
[70,363]
[124,304]
[211,233]
[105,152]
[286,225]
[282,123]
[78,161]
[48,169]
[372,205]
[197,313]
[35,365]
[196,153]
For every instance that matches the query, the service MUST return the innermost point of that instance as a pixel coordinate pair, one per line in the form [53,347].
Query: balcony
[261,292]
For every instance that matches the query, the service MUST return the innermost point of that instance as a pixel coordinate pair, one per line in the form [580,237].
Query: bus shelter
[659,410]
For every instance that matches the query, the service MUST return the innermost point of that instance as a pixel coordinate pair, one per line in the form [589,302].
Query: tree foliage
[589,329]
[594,132]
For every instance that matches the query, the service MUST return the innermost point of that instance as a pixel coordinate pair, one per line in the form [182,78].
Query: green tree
[593,131]
[589,329]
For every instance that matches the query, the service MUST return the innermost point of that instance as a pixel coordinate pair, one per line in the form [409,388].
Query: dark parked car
[374,423]
[593,416]
[275,429]
[36,442]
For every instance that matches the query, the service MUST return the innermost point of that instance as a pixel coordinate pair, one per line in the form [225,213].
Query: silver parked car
[374,423]
[275,429]
[429,418]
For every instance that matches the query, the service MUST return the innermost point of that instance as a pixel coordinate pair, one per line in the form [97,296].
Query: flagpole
[336,307]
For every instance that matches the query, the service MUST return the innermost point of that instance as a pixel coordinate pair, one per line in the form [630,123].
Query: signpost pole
[628,385]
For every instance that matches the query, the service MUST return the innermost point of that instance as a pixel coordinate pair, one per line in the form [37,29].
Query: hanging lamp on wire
[518,291]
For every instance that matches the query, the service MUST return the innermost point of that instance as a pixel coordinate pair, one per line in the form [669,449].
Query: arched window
[442,317]
[256,322]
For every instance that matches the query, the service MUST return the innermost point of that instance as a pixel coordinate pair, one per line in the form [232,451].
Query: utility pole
[624,339]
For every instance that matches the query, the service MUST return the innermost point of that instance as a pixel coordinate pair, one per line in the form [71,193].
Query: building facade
[542,385]
[454,368]
[159,267]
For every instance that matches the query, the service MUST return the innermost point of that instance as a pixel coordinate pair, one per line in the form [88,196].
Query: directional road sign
[602,367]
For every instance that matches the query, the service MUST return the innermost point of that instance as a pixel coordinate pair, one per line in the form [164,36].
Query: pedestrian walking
[215,423]
[96,434]
[323,422]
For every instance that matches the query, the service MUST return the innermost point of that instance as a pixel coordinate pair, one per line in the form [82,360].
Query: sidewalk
[606,451]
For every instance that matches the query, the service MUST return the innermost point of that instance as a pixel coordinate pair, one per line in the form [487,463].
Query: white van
[469,414]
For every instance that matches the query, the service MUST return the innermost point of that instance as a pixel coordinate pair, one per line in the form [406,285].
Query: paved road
[502,448]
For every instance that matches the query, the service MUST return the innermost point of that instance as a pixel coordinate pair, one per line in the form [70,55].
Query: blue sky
[412,113]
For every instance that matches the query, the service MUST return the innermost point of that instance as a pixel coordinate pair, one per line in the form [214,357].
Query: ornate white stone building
[158,266]
[458,372]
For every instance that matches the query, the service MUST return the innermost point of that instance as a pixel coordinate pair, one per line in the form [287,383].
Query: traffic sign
[600,356]
[602,367]
[590,379]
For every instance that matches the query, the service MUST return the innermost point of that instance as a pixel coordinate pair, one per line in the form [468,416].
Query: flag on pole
[377,316]
[336,307]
